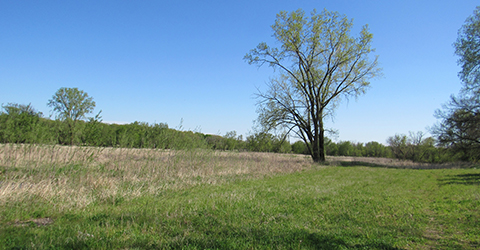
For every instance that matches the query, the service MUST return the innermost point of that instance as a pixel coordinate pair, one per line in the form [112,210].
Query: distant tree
[231,140]
[417,144]
[17,109]
[215,141]
[18,123]
[398,145]
[319,62]
[157,135]
[299,147]
[415,147]
[71,106]
[331,148]
[345,148]
[260,142]
[92,134]
[375,149]
[459,128]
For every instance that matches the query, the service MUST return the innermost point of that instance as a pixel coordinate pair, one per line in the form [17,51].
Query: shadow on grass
[376,165]
[215,239]
[258,239]
[261,239]
[359,164]
[462,179]
[390,163]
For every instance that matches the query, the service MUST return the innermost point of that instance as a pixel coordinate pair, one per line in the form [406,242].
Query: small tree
[92,134]
[375,149]
[18,123]
[231,140]
[319,62]
[261,142]
[398,145]
[71,106]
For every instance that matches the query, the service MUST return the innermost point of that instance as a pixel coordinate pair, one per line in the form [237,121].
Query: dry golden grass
[77,176]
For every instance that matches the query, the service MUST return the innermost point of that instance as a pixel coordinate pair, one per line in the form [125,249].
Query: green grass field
[55,197]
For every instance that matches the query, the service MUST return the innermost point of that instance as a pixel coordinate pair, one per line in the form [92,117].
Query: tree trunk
[318,151]
[71,127]
[318,145]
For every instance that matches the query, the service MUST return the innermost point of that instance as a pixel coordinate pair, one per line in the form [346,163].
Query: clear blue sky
[164,61]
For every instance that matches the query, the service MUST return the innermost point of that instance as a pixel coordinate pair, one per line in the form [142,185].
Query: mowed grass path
[315,207]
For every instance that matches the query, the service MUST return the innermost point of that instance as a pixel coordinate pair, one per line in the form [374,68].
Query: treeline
[23,124]
[400,146]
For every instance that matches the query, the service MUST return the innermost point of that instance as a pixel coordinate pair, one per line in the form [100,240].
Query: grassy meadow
[59,197]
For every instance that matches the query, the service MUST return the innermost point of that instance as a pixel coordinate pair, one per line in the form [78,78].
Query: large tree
[319,62]
[71,105]
[459,128]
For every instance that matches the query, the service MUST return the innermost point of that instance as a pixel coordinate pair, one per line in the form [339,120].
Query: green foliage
[266,142]
[466,47]
[20,124]
[417,147]
[299,147]
[71,105]
[375,149]
[347,148]
[215,141]
[260,142]
[459,129]
[230,141]
[92,132]
[144,135]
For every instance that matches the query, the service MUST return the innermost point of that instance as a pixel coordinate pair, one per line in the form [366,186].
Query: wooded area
[23,124]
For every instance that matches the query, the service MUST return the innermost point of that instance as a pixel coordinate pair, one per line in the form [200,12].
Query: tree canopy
[459,128]
[71,105]
[467,47]
[320,62]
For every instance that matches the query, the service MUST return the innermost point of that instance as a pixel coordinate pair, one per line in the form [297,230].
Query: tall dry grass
[74,177]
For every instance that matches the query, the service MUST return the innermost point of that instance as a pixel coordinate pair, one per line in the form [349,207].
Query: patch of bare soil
[39,222]
[391,163]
